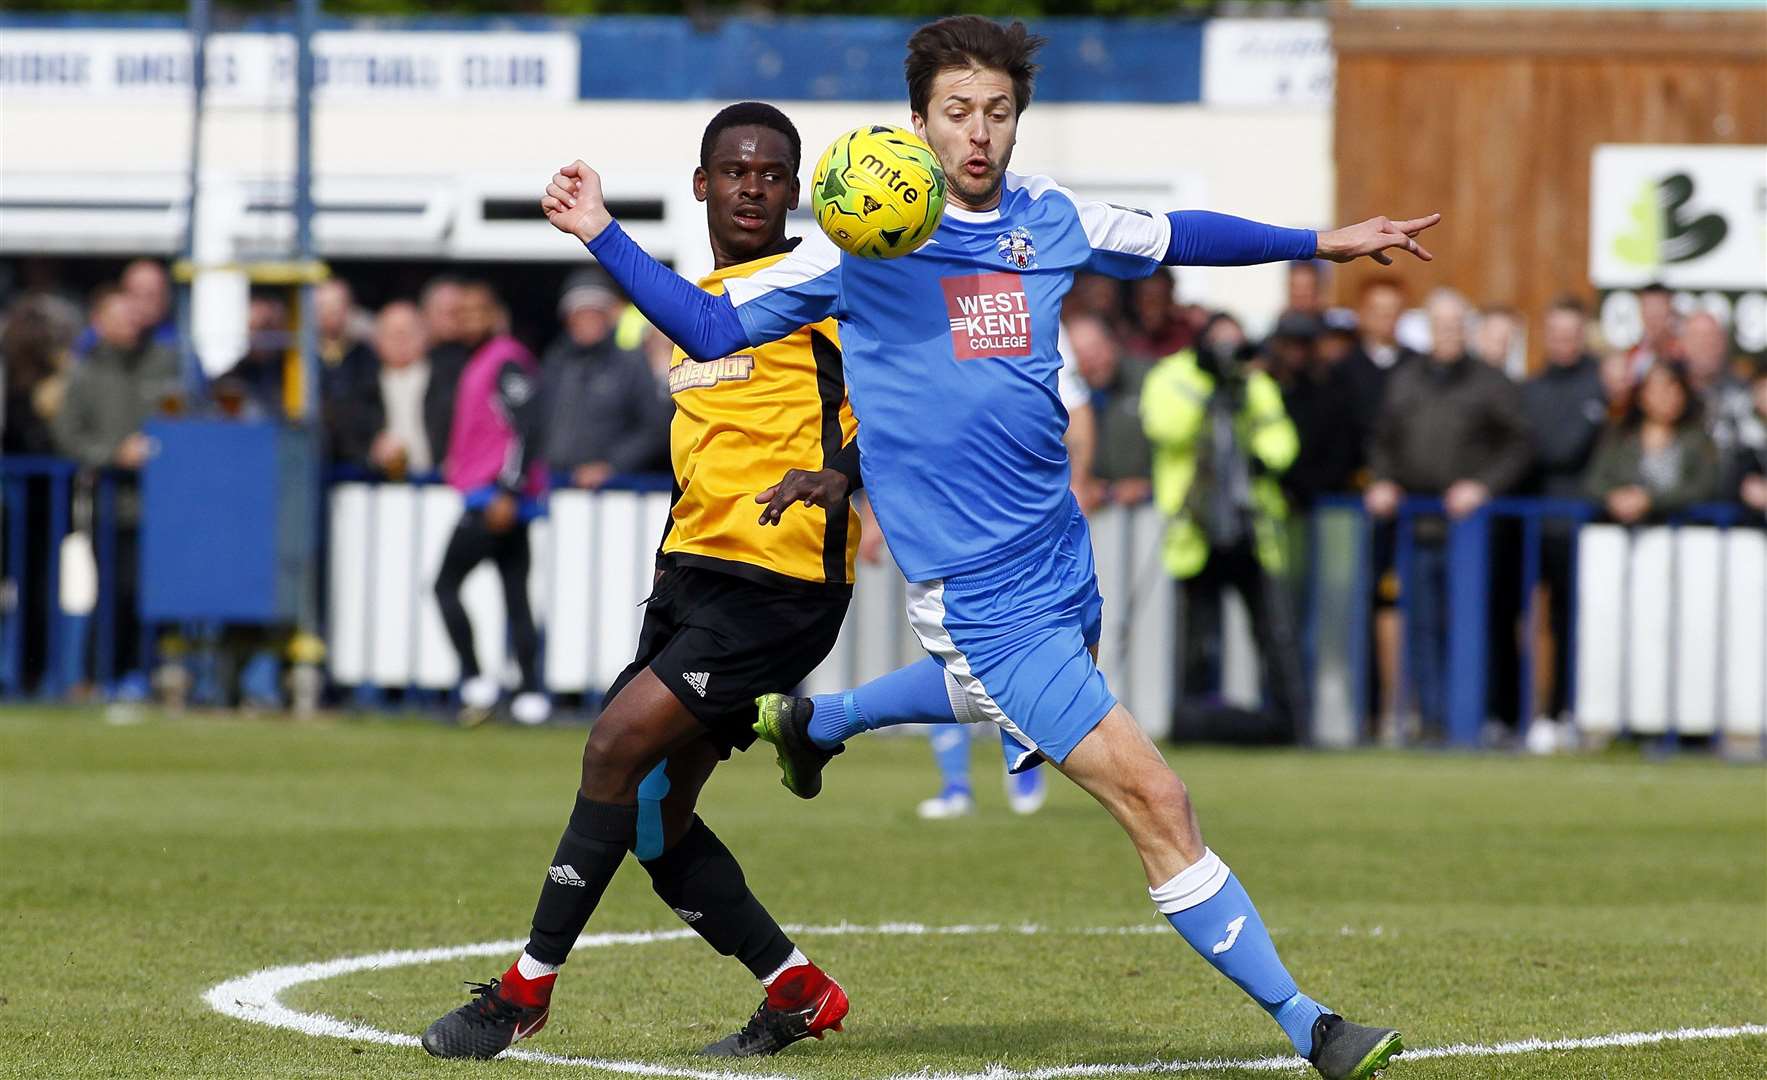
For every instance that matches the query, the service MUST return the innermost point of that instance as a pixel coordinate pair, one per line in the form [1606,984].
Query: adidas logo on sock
[697,680]
[567,875]
[689,916]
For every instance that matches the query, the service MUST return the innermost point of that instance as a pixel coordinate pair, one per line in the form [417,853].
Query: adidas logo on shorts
[689,916]
[566,875]
[697,680]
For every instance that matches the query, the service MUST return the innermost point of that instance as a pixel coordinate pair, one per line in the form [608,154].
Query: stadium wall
[1166,113]
[1492,117]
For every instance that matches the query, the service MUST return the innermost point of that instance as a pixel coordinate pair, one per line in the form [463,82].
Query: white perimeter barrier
[1672,630]
[1671,623]
[592,565]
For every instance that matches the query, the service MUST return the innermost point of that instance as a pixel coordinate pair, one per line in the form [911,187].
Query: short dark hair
[1571,303]
[102,293]
[971,41]
[1656,287]
[1691,413]
[750,114]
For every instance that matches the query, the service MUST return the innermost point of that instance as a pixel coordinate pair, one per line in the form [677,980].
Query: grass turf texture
[1464,899]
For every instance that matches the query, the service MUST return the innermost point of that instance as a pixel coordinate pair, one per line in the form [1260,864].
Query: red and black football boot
[803,1003]
[487,1025]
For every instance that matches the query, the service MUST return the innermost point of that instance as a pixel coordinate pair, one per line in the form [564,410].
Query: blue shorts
[1014,638]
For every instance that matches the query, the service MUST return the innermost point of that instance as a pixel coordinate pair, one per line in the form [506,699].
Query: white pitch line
[257,998]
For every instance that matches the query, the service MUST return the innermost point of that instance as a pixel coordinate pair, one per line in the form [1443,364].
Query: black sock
[701,880]
[593,845]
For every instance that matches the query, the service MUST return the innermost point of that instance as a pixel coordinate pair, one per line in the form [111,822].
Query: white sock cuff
[796,959]
[1195,884]
[530,968]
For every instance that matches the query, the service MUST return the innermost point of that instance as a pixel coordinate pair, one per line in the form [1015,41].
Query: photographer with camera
[1221,438]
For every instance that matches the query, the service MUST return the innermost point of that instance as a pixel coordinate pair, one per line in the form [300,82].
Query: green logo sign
[1663,230]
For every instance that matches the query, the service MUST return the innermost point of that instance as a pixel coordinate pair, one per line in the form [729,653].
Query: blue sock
[951,752]
[1207,906]
[911,695]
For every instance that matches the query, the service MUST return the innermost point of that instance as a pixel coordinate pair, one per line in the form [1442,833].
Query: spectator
[602,410]
[1220,440]
[378,422]
[1099,296]
[1337,337]
[1722,398]
[1306,288]
[1377,356]
[1751,464]
[124,382]
[1451,427]
[1497,340]
[450,347]
[1659,460]
[146,283]
[493,464]
[254,387]
[1567,410]
[1122,460]
[342,351]
[33,358]
[1657,341]
[1313,394]
[1617,382]
[1566,404]
[1158,327]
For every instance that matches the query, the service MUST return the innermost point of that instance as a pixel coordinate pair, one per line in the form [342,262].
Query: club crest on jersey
[1017,248]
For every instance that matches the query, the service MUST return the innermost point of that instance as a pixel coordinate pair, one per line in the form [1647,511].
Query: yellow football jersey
[740,422]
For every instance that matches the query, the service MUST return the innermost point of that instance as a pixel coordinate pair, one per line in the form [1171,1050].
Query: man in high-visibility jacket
[1221,438]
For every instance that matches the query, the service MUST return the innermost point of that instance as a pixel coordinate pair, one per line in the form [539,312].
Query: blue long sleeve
[705,326]
[1203,238]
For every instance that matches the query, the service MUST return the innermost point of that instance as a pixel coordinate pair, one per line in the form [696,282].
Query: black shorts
[718,641]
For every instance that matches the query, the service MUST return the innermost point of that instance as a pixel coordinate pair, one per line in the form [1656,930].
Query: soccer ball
[878,192]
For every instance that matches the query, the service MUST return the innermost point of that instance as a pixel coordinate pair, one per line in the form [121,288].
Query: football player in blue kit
[951,365]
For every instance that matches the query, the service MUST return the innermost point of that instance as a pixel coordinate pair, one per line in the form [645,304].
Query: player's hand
[826,488]
[500,513]
[1382,498]
[1374,237]
[573,202]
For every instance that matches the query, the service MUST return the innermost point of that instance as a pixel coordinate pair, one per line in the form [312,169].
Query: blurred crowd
[83,383]
[1386,398]
[1171,402]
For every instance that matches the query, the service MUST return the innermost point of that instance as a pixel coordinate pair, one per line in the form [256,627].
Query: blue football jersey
[951,363]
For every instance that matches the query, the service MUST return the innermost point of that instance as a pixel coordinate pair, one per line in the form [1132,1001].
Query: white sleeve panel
[811,259]
[1109,228]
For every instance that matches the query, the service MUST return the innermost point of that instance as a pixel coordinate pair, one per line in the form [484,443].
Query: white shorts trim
[926,615]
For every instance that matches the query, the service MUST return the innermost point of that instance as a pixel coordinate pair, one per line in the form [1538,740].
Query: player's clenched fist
[573,202]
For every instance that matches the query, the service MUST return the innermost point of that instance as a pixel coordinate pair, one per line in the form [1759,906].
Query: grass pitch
[1467,900]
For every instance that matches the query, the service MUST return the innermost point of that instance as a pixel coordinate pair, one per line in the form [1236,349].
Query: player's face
[748,186]
[971,124]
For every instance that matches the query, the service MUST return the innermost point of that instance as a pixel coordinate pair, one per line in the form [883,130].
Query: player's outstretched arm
[705,326]
[1374,238]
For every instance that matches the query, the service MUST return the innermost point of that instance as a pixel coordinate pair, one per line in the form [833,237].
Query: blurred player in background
[493,462]
[740,605]
[961,431]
